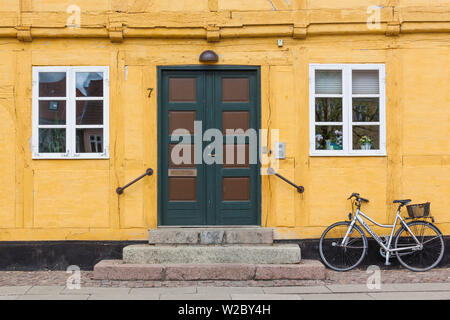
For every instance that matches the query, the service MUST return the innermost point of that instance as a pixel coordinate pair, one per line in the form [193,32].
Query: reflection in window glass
[328,82]
[52,140]
[366,137]
[329,137]
[365,82]
[52,84]
[52,112]
[366,110]
[328,109]
[89,84]
[89,141]
[89,112]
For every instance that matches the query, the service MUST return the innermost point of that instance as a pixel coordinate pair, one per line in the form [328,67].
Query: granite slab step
[257,254]
[210,236]
[117,270]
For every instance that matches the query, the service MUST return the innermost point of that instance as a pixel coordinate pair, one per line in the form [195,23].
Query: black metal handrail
[300,189]
[149,172]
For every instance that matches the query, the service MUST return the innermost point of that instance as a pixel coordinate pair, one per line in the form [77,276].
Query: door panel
[233,120]
[237,184]
[182,89]
[182,119]
[196,193]
[182,190]
[235,89]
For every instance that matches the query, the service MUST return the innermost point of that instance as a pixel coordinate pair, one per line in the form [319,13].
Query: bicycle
[418,245]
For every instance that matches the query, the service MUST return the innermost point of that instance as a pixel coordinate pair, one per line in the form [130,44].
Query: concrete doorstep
[252,254]
[210,236]
[117,270]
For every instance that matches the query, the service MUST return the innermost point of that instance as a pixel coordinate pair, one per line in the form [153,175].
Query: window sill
[61,157]
[381,154]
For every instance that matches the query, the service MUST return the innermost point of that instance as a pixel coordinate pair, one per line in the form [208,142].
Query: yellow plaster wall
[62,5]
[121,5]
[7,161]
[76,199]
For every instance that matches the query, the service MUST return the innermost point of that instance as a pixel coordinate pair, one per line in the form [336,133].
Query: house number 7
[150,90]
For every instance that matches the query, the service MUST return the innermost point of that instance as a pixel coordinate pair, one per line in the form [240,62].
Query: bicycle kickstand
[387,263]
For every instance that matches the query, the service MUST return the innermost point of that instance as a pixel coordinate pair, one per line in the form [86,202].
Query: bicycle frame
[359,216]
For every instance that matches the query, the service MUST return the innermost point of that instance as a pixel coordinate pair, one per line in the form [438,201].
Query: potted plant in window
[329,144]
[365,142]
[335,141]
[319,139]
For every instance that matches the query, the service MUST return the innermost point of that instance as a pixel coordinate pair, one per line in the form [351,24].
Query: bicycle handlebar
[356,195]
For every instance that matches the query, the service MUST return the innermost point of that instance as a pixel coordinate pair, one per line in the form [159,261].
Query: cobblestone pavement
[359,276]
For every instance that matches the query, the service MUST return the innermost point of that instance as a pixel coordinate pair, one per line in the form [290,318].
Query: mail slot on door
[182,172]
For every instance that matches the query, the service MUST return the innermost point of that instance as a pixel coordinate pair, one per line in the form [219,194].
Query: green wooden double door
[202,182]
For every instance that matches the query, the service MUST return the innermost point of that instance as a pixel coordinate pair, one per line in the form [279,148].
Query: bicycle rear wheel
[432,243]
[342,257]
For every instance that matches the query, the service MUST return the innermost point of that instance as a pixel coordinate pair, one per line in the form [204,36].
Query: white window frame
[347,116]
[70,125]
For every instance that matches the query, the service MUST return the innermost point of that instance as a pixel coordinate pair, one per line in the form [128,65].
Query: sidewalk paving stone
[265,297]
[195,297]
[163,290]
[337,296]
[54,297]
[154,296]
[290,290]
[408,295]
[14,290]
[46,290]
[95,290]
[445,294]
[422,286]
[229,290]
[182,290]
[353,288]
[9,297]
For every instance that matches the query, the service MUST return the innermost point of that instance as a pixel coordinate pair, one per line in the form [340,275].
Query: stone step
[213,236]
[117,270]
[257,254]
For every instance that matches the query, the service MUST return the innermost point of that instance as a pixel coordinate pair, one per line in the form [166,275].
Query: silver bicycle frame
[359,215]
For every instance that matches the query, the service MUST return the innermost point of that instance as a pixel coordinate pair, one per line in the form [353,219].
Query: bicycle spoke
[430,240]
[432,246]
[343,257]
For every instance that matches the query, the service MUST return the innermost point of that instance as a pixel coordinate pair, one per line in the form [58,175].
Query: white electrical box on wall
[280,150]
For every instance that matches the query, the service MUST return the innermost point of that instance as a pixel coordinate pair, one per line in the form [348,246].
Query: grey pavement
[406,291]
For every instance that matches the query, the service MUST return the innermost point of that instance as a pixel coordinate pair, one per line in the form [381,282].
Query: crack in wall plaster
[273,6]
[269,123]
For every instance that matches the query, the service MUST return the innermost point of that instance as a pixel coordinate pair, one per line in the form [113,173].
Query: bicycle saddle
[404,202]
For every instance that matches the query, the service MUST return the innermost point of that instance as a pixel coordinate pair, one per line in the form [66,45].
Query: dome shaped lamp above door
[209,56]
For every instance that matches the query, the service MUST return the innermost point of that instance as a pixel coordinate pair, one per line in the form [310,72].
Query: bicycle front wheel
[341,256]
[431,240]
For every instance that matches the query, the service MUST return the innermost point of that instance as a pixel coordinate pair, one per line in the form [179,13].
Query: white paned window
[347,110]
[70,113]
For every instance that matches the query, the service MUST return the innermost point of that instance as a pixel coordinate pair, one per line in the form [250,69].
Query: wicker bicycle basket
[419,210]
